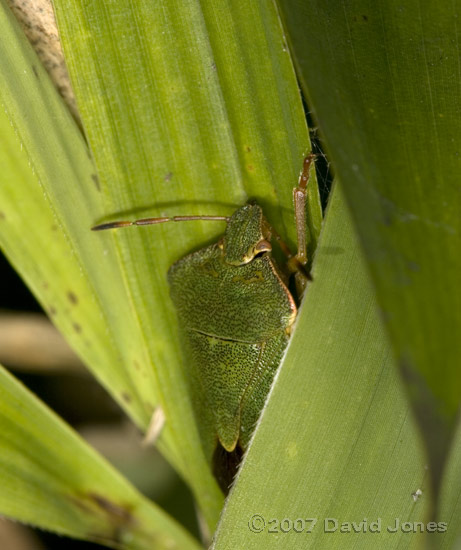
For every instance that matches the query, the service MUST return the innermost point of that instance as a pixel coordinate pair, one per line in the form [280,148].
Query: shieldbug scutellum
[236,312]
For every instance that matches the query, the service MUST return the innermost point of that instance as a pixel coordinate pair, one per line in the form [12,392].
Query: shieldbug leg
[296,263]
[299,198]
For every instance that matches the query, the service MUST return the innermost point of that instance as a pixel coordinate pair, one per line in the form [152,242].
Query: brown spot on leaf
[116,512]
[72,297]
[247,148]
[136,365]
[126,397]
[80,503]
[168,176]
[119,517]
[77,328]
[250,168]
[52,310]
[2,215]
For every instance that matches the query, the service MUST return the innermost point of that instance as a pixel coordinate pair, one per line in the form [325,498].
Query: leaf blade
[381,82]
[337,421]
[36,147]
[53,479]
[180,149]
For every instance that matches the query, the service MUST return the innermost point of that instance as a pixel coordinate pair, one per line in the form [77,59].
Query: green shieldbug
[236,312]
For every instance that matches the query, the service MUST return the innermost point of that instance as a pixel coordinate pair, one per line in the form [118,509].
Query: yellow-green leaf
[188,109]
[51,478]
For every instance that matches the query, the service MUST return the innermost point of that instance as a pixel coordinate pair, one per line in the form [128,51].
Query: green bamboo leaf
[45,161]
[183,118]
[50,193]
[337,442]
[384,82]
[51,478]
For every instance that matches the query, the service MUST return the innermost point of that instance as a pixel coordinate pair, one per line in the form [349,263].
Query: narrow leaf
[384,82]
[48,199]
[189,108]
[337,442]
[52,479]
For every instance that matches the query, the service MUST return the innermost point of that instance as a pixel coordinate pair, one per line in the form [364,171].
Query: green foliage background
[193,108]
